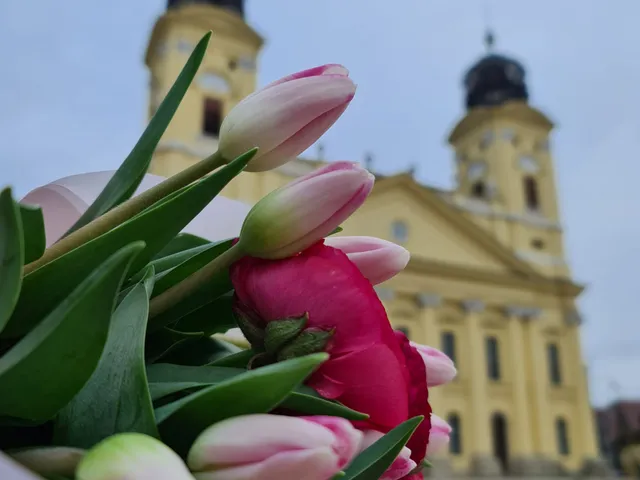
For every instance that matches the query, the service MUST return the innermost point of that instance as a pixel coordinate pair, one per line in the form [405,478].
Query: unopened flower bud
[132,456]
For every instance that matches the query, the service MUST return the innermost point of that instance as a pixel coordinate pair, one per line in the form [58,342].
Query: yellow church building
[487,282]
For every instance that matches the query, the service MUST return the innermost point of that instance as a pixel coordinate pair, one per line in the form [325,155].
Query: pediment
[435,231]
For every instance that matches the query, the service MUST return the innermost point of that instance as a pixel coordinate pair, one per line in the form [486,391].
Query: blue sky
[73,98]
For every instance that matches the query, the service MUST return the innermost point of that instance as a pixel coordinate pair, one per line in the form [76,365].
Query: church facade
[487,282]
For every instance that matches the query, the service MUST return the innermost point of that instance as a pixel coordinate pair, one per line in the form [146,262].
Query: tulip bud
[438,435]
[401,466]
[132,456]
[296,216]
[377,259]
[440,368]
[50,460]
[286,117]
[273,447]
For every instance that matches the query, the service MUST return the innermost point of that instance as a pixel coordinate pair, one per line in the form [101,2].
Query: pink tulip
[296,216]
[438,435]
[63,201]
[377,259]
[287,116]
[273,447]
[440,368]
[401,466]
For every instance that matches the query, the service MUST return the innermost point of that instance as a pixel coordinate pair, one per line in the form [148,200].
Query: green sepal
[249,326]
[280,332]
[308,342]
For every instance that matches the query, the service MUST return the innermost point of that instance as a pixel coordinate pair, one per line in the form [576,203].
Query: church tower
[505,172]
[227,75]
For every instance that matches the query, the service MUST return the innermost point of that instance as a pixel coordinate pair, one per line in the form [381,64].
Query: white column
[479,420]
[429,303]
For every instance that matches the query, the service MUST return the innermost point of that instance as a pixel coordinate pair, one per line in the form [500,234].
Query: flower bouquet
[130,349]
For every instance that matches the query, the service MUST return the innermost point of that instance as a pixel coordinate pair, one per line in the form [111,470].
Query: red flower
[371,368]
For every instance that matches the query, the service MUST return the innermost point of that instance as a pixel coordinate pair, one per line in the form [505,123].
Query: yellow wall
[457,281]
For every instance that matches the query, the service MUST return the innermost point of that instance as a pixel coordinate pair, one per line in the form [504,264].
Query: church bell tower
[505,173]
[227,75]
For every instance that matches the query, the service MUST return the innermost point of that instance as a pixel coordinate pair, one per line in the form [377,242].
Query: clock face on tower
[529,164]
[476,170]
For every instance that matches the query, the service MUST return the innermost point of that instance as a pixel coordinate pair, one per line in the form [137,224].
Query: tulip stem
[127,210]
[196,280]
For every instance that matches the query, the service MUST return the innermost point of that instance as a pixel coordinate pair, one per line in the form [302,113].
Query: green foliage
[49,365]
[181,421]
[11,255]
[374,461]
[82,359]
[156,226]
[116,398]
[33,235]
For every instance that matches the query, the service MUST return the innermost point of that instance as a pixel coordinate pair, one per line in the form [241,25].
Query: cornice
[467,225]
[207,18]
[515,111]
[539,283]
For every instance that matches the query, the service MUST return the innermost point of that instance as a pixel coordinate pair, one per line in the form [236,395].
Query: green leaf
[190,265]
[127,178]
[198,303]
[182,241]
[116,398]
[374,461]
[236,360]
[182,421]
[214,317]
[11,256]
[306,400]
[33,233]
[47,367]
[337,230]
[166,379]
[199,351]
[164,341]
[46,287]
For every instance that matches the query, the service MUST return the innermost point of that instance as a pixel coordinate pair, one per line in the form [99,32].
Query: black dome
[233,5]
[494,80]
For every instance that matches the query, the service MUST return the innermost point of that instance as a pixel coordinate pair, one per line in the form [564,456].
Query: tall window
[212,117]
[562,437]
[448,340]
[493,358]
[553,359]
[400,231]
[531,195]
[478,189]
[455,438]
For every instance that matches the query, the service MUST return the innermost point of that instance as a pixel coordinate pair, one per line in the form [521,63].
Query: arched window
[448,340]
[493,358]
[478,189]
[455,438]
[400,231]
[212,117]
[553,360]
[531,195]
[562,437]
[500,434]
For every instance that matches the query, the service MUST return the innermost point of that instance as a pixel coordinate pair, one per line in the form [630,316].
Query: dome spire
[489,40]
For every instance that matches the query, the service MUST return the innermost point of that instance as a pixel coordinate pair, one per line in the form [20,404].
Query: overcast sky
[73,98]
